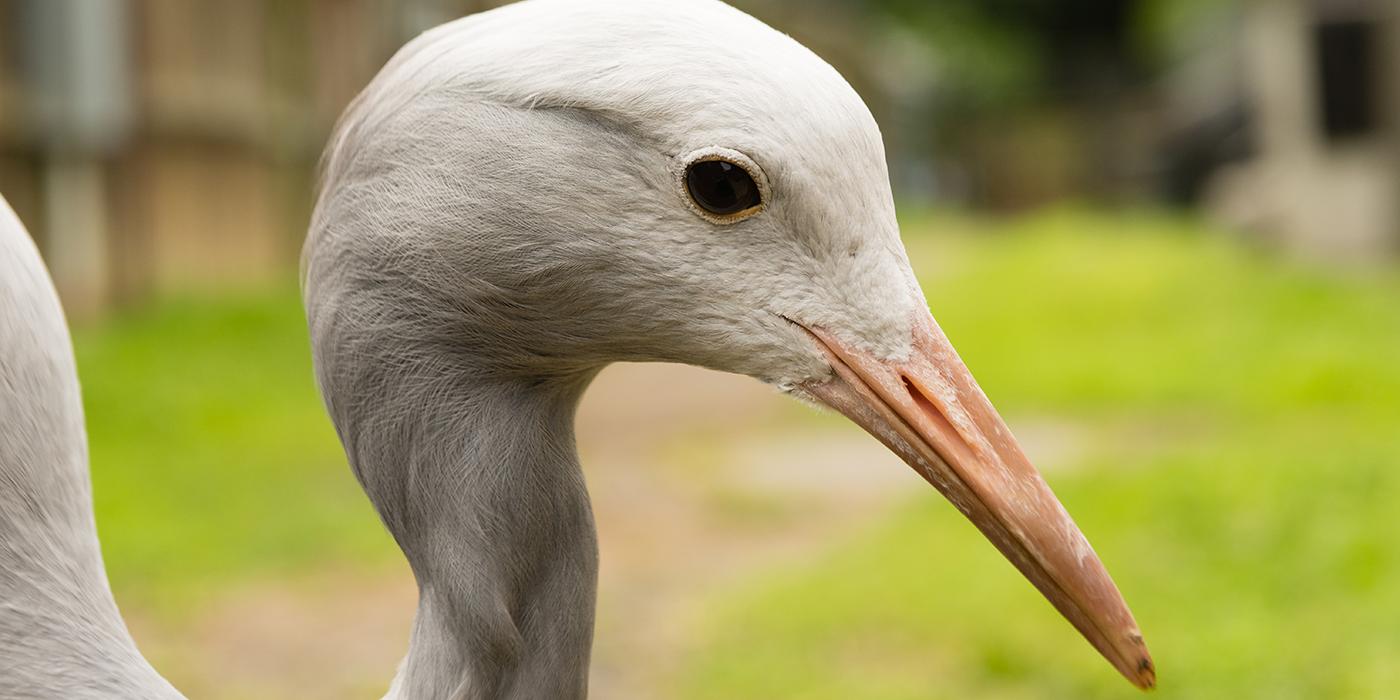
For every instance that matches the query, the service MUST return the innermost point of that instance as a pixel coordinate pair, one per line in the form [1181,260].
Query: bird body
[518,199]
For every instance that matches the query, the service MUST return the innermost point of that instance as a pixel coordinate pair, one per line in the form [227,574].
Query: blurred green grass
[1240,478]
[212,459]
[1239,473]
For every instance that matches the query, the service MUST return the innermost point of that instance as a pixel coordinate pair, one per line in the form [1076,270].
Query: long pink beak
[929,410]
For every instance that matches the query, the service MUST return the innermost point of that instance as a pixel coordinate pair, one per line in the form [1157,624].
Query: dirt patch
[329,634]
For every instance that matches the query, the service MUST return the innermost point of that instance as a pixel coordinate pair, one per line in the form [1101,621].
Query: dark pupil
[721,187]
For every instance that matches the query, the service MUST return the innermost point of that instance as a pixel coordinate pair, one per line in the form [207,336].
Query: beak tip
[1145,675]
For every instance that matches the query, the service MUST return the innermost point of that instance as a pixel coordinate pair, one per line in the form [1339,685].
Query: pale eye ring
[722,185]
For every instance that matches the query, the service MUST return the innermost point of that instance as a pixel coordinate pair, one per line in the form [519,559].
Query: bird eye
[722,188]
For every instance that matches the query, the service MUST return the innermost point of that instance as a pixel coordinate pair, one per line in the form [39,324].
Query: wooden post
[76,248]
[79,57]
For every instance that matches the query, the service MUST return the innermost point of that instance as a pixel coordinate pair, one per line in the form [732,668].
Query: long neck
[480,484]
[60,632]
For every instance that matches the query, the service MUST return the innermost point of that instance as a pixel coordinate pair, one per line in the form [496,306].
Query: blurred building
[159,145]
[1320,82]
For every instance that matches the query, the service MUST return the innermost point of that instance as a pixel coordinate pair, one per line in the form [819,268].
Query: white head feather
[533,151]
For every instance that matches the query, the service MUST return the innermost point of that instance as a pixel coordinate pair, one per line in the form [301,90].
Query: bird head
[553,186]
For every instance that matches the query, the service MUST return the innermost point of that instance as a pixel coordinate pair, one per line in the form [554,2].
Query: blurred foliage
[1161,27]
[998,52]
[1011,52]
[1011,104]
[1238,475]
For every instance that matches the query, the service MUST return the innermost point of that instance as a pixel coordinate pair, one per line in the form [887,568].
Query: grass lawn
[1239,474]
[1241,479]
[212,458]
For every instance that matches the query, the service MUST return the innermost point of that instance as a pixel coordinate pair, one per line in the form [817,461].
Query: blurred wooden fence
[162,145]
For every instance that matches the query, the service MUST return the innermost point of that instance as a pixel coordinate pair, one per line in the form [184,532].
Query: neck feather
[60,633]
[479,482]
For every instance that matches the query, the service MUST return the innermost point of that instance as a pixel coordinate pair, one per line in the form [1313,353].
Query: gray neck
[488,503]
[60,632]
